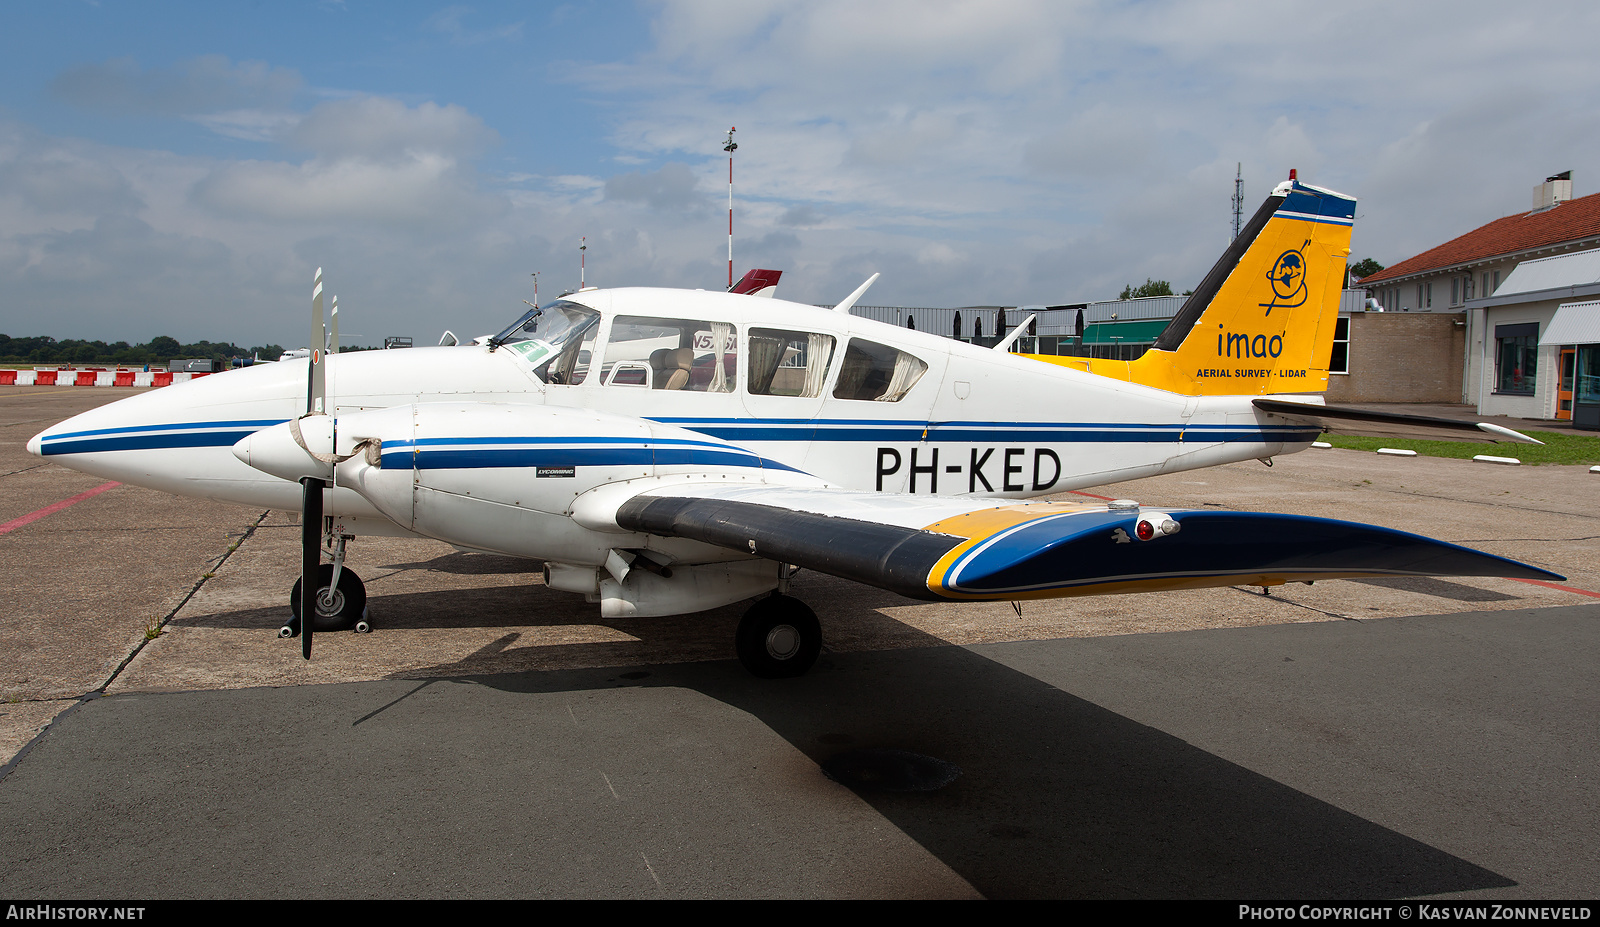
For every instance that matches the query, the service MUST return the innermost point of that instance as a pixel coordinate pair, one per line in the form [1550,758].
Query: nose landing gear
[341,601]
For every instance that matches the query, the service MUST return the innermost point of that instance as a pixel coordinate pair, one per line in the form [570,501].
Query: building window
[1340,361]
[1427,296]
[1588,380]
[1455,291]
[1516,358]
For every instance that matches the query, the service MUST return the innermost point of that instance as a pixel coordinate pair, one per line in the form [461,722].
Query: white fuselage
[974,422]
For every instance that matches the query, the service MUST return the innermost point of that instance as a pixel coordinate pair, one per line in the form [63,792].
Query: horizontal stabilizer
[1395,424]
[1050,550]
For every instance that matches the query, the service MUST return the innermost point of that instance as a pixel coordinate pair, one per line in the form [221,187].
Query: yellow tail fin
[1262,320]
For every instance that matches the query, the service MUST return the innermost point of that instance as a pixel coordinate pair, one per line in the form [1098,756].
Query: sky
[184,168]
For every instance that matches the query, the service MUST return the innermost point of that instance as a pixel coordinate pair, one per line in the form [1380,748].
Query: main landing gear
[341,599]
[778,637]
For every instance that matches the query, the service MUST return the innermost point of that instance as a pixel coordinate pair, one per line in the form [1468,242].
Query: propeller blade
[311,495]
[310,558]
[316,386]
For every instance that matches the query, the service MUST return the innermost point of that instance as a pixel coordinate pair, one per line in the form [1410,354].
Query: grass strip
[1560,447]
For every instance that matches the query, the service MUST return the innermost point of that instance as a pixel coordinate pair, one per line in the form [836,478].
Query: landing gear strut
[341,599]
[778,637]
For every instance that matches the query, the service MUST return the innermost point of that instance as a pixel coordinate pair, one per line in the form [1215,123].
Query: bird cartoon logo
[1288,278]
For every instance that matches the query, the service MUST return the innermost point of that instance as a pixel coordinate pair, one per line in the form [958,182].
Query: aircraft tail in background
[758,282]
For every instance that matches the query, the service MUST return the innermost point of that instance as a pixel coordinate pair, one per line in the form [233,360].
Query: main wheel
[339,611]
[778,638]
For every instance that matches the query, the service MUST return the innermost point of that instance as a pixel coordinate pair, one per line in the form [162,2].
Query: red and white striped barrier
[93,377]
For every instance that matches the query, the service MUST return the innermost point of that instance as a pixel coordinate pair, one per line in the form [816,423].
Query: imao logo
[1288,278]
[1244,346]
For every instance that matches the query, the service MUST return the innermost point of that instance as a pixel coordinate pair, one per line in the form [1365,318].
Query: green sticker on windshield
[532,351]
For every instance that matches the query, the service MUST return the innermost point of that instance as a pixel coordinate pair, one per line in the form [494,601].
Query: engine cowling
[507,477]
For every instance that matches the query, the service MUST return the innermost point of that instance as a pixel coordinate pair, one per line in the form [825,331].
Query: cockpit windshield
[544,332]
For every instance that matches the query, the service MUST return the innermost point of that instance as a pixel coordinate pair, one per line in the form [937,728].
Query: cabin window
[876,372]
[788,363]
[671,354]
[571,365]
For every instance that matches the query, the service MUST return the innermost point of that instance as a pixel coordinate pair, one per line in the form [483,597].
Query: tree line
[43,349]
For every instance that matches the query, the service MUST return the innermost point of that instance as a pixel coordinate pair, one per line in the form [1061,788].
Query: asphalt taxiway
[497,739]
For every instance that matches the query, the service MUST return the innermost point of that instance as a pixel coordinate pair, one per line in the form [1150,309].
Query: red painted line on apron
[1079,492]
[13,525]
[1540,582]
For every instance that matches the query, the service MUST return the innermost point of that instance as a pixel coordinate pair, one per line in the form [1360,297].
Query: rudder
[1262,321]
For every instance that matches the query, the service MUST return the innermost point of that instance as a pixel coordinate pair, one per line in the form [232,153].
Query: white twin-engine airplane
[669,451]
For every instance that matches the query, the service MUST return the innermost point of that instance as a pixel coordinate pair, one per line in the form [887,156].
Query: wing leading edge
[1051,550]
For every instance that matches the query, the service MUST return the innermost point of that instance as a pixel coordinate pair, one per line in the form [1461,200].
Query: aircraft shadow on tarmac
[470,564]
[1057,797]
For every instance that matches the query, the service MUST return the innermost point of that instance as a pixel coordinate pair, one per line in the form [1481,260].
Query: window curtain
[907,370]
[765,353]
[721,334]
[819,351]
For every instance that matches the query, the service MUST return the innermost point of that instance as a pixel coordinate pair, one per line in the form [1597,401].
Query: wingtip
[1506,434]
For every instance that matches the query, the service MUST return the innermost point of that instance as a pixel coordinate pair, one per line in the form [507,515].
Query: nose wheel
[778,638]
[339,606]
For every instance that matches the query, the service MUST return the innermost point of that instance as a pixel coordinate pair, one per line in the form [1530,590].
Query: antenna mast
[1238,198]
[583,258]
[730,147]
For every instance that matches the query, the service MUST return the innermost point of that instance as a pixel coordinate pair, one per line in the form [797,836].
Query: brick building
[1433,345]
[1508,366]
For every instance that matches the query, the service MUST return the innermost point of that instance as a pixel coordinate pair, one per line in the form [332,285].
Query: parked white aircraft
[668,451]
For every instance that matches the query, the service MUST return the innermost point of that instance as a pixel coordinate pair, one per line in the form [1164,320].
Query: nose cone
[35,445]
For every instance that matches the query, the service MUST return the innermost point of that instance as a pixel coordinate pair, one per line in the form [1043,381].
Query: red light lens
[1145,530]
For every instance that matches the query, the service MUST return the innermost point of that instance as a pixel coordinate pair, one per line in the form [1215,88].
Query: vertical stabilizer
[1262,321]
[758,282]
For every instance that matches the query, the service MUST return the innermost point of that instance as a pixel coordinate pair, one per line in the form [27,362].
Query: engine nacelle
[505,476]
[646,594]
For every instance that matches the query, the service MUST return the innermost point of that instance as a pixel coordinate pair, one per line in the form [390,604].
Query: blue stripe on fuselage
[153,437]
[544,451]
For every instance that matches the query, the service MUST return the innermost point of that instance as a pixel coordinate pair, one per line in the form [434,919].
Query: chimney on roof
[1554,191]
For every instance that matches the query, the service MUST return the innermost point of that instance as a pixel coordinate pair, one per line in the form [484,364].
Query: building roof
[1572,220]
[1563,270]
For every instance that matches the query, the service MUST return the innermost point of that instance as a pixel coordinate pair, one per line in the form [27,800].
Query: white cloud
[1086,141]
[386,129]
[673,187]
[423,188]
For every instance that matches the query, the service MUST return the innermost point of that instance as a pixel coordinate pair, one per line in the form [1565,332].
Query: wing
[965,548]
